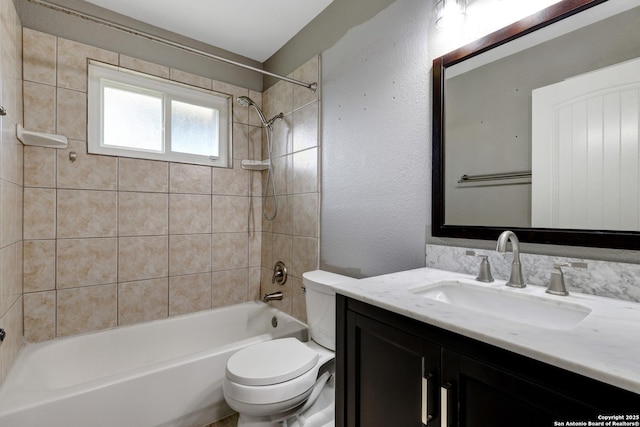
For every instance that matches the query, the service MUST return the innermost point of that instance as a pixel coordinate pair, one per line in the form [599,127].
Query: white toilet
[286,382]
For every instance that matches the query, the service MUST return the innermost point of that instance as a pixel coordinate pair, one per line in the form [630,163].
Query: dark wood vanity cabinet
[396,371]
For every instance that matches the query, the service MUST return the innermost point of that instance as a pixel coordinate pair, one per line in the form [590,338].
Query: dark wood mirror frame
[573,237]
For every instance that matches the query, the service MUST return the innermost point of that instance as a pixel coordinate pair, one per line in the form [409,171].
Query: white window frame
[101,74]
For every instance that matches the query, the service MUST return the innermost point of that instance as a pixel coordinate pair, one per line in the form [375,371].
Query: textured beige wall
[112,241]
[11,182]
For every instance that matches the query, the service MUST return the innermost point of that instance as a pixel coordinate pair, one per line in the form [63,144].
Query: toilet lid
[271,362]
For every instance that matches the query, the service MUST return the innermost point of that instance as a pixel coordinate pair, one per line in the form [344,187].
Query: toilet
[286,382]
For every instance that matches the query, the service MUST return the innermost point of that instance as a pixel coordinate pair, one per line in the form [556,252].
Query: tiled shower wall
[293,236]
[112,241]
[10,187]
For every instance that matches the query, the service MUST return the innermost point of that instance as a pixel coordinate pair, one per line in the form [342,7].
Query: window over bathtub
[131,114]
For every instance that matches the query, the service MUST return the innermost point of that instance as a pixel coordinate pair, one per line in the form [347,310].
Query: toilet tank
[321,305]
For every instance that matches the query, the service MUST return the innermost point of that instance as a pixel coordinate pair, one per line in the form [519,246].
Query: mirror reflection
[543,132]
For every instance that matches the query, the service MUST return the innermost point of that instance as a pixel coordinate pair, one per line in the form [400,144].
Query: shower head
[246,101]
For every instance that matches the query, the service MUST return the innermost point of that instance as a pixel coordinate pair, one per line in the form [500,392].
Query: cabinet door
[386,376]
[487,396]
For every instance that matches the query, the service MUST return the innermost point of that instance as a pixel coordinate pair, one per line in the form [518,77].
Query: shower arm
[311,86]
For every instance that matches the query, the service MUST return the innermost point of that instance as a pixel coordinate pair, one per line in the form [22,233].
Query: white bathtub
[163,373]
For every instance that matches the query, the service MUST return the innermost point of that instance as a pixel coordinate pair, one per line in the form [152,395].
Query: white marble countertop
[604,346]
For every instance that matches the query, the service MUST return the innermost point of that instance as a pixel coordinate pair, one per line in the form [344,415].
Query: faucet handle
[484,274]
[556,282]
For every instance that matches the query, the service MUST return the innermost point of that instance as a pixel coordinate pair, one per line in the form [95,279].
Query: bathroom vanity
[409,354]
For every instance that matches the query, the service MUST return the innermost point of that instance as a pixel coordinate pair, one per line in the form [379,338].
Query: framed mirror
[536,128]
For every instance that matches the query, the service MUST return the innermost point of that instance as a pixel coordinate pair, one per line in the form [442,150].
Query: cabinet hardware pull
[446,418]
[426,414]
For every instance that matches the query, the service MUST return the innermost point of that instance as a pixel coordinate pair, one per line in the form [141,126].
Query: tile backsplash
[602,278]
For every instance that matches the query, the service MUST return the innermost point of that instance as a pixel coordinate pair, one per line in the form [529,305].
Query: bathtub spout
[272,296]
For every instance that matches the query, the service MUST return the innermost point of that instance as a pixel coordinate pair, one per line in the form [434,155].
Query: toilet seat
[271,362]
[281,358]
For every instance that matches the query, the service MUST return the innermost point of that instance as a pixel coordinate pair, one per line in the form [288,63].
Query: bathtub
[163,373]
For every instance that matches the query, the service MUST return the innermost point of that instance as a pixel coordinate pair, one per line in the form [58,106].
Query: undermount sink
[509,304]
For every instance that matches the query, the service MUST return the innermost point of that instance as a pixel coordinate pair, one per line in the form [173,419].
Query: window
[134,115]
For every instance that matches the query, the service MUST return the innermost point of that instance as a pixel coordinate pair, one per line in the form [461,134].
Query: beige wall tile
[143,301]
[12,154]
[241,142]
[12,323]
[305,215]
[144,66]
[255,249]
[87,172]
[10,213]
[192,179]
[143,175]
[283,249]
[298,302]
[254,118]
[281,99]
[39,167]
[188,294]
[39,265]
[39,107]
[230,251]
[39,213]
[39,57]
[267,250]
[305,127]
[86,309]
[71,114]
[189,214]
[240,113]
[282,143]
[39,316]
[231,182]
[282,174]
[86,262]
[85,213]
[72,63]
[229,287]
[308,72]
[255,144]
[282,222]
[305,255]
[142,258]
[143,214]
[10,276]
[305,171]
[190,79]
[253,289]
[189,254]
[230,214]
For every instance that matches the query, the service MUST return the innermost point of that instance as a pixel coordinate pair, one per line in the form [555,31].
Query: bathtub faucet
[272,296]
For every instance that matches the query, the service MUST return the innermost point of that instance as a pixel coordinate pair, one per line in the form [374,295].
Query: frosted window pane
[194,129]
[132,120]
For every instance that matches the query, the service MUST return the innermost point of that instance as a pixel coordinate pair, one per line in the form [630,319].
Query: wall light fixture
[450,13]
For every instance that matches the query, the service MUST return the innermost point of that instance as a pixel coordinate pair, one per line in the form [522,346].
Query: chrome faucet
[272,296]
[516,279]
[556,282]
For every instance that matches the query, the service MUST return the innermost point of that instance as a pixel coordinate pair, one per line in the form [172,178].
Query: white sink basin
[515,305]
